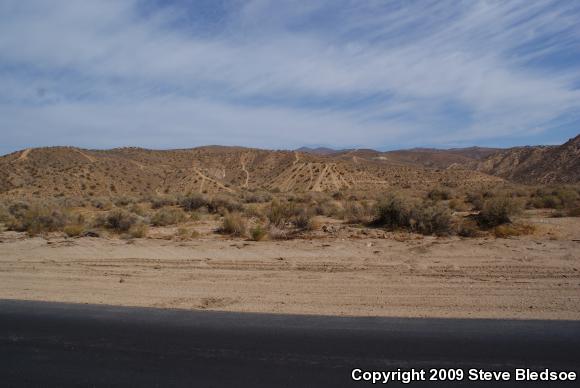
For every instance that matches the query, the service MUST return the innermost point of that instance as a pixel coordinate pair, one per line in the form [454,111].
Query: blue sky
[283,74]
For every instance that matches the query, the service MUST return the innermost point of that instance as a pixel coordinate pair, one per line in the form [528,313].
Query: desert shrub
[74,230]
[101,204]
[439,194]
[138,209]
[393,212]
[222,204]
[167,216]
[5,215]
[123,201]
[193,202]
[431,219]
[575,212]
[302,219]
[257,197]
[258,233]
[476,199]
[356,212]
[422,217]
[253,211]
[457,205]
[233,224]
[468,228]
[276,233]
[329,209]
[498,211]
[116,220]
[337,195]
[280,213]
[160,202]
[38,218]
[138,230]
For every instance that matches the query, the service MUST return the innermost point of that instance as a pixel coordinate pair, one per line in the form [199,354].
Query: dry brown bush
[233,224]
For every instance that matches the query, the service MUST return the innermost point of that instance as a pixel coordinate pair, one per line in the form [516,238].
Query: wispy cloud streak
[285,73]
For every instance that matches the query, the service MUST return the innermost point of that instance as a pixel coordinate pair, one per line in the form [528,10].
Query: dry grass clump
[276,233]
[117,220]
[168,216]
[513,230]
[138,230]
[357,212]
[497,211]
[233,224]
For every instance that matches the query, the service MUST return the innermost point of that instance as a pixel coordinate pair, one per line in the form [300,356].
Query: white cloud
[285,73]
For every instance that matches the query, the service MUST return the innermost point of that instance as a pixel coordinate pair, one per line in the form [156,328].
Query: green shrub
[74,230]
[498,211]
[431,219]
[468,228]
[38,218]
[117,220]
[167,216]
[439,194]
[280,213]
[160,202]
[258,233]
[193,202]
[222,204]
[233,224]
[426,218]
[393,212]
[257,197]
[302,219]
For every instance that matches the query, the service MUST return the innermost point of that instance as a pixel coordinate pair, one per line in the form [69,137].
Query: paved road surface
[65,345]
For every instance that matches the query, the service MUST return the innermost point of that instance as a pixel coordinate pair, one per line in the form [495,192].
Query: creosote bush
[193,202]
[37,219]
[422,217]
[167,216]
[117,220]
[497,211]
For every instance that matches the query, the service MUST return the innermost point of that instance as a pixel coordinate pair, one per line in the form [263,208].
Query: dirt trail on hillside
[24,154]
[424,277]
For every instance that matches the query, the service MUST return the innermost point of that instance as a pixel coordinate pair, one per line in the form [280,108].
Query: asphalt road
[66,345]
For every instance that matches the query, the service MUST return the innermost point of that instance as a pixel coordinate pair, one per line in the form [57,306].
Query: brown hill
[540,164]
[68,171]
[422,157]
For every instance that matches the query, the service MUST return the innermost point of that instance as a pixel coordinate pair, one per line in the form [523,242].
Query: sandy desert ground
[383,274]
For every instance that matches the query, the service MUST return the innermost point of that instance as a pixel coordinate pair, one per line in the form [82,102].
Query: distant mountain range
[69,171]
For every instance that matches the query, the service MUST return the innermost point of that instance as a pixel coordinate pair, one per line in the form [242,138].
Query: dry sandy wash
[527,277]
